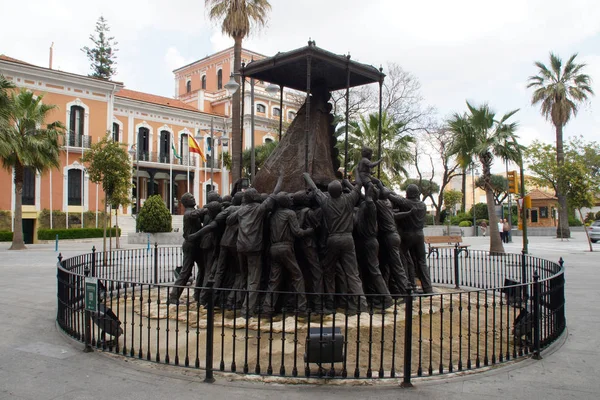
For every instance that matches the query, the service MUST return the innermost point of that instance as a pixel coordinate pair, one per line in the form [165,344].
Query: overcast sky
[478,50]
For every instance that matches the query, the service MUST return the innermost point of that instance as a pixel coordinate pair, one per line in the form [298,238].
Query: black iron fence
[487,309]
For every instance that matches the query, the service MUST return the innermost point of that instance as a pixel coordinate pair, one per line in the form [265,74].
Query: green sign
[91,294]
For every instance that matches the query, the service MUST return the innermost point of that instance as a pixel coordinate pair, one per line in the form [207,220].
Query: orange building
[201,84]
[149,126]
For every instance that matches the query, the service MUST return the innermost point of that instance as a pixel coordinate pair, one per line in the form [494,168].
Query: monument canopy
[290,69]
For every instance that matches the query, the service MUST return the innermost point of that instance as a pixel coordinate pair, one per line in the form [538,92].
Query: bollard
[408,311]
[536,316]
[56,243]
[88,321]
[210,330]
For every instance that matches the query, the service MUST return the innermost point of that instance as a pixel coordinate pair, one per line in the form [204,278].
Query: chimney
[50,60]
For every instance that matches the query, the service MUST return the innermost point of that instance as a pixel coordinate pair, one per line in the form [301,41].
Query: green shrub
[573,221]
[6,236]
[154,216]
[428,219]
[5,220]
[598,215]
[465,224]
[75,233]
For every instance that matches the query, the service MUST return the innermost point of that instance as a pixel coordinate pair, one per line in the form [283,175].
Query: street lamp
[133,152]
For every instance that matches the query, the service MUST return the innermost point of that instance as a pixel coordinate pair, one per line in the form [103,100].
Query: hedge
[6,236]
[74,233]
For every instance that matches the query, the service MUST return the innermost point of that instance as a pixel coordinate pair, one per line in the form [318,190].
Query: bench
[434,243]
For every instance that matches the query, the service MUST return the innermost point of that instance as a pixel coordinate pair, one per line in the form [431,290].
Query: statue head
[335,189]
[301,198]
[188,200]
[251,196]
[214,207]
[412,191]
[284,200]
[366,152]
[213,196]
[237,198]
[226,201]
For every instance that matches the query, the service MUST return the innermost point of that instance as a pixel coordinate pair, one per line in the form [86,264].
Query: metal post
[536,316]
[252,152]
[88,318]
[408,311]
[509,209]
[156,263]
[210,327]
[456,272]
[523,209]
[380,117]
[243,83]
[473,207]
[280,112]
[212,151]
[93,261]
[307,110]
[347,118]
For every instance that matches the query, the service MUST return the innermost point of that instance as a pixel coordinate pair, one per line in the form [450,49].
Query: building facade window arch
[164,144]
[117,130]
[188,86]
[76,186]
[261,108]
[291,114]
[203,82]
[275,111]
[144,135]
[184,152]
[219,79]
[78,122]
[268,138]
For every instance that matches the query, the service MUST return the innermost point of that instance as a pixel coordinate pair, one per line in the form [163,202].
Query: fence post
[88,320]
[210,326]
[536,316]
[408,313]
[93,261]
[456,273]
[155,263]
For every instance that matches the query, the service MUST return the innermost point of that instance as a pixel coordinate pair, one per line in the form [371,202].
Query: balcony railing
[75,140]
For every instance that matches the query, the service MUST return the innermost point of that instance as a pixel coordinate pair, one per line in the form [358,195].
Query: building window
[543,212]
[268,140]
[74,190]
[143,144]
[260,108]
[115,133]
[188,87]
[291,115]
[203,82]
[165,146]
[183,146]
[76,125]
[276,112]
[219,79]
[28,186]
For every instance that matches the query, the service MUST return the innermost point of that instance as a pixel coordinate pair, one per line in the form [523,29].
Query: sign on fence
[91,294]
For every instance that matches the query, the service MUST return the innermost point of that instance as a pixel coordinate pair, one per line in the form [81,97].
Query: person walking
[501,229]
[506,231]
[483,228]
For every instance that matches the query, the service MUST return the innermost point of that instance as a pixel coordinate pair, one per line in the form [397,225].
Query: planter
[163,238]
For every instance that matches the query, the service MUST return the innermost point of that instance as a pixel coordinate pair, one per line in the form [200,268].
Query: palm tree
[237,18]
[5,85]
[480,136]
[23,143]
[559,91]
[395,148]
[464,144]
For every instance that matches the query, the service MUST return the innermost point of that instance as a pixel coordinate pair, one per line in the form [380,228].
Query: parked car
[594,231]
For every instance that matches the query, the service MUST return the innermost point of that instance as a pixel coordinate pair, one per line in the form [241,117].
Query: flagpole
[171,179]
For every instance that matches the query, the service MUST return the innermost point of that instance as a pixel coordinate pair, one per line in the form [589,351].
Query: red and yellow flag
[194,147]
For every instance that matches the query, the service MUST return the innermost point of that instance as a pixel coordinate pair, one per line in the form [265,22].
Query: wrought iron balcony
[75,140]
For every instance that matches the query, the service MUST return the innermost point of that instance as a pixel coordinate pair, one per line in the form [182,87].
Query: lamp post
[133,152]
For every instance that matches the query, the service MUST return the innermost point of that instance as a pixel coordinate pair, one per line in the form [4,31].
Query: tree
[395,147]
[559,91]
[427,188]
[237,18]
[480,136]
[154,216]
[261,153]
[452,198]
[581,188]
[103,55]
[24,143]
[499,186]
[462,147]
[108,163]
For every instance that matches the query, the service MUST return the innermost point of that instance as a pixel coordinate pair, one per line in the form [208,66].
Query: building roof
[291,69]
[215,54]
[537,194]
[4,57]
[158,100]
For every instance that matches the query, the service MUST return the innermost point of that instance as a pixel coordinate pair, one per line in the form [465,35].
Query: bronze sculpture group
[327,247]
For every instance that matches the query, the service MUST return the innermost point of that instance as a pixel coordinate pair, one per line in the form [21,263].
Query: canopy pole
[280,112]
[380,116]
[347,116]
[307,110]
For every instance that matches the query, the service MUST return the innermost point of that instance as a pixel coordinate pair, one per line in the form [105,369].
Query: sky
[476,50]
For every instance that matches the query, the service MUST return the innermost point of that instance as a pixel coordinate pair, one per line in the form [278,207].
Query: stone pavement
[38,362]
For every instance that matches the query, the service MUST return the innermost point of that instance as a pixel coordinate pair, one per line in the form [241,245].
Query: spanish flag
[194,147]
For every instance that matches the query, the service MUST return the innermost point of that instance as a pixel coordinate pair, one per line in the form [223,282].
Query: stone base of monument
[446,325]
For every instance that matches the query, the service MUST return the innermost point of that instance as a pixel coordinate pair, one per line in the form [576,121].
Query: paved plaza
[39,362]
